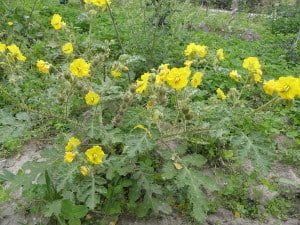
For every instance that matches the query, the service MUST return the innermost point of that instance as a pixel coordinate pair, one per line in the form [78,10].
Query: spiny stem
[115,28]
[264,106]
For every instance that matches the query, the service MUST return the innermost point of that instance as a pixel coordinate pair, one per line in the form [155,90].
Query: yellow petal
[178,166]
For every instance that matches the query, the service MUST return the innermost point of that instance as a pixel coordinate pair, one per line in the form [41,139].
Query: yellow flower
[197,79]
[257,76]
[57,22]
[149,104]
[234,75]
[270,87]
[288,87]
[69,157]
[252,64]
[2,47]
[220,54]
[67,48]
[237,214]
[95,155]
[177,78]
[72,144]
[10,23]
[88,1]
[194,51]
[142,84]
[16,52]
[43,66]
[188,63]
[116,73]
[125,68]
[221,94]
[84,170]
[92,98]
[140,126]
[80,68]
[101,3]
[161,76]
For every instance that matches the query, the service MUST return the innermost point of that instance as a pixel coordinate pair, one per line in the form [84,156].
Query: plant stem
[61,222]
[23,106]
[264,106]
[90,34]
[29,18]
[115,28]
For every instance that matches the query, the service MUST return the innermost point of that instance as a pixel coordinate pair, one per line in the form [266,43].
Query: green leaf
[289,182]
[118,164]
[13,126]
[89,190]
[66,176]
[143,208]
[194,160]
[193,180]
[4,194]
[255,146]
[133,195]
[199,202]
[168,171]
[23,116]
[159,205]
[74,221]
[71,211]
[6,175]
[53,208]
[138,144]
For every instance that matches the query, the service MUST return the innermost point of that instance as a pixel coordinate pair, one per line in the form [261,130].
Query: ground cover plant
[138,106]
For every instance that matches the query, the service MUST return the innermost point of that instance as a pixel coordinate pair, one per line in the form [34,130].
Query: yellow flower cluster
[80,68]
[176,78]
[252,64]
[67,48]
[92,98]
[72,145]
[57,22]
[117,69]
[43,66]
[94,155]
[194,51]
[286,87]
[15,51]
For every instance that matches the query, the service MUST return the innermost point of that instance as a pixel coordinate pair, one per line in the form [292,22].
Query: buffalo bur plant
[132,145]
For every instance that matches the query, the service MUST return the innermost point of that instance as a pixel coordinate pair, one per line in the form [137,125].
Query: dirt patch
[10,212]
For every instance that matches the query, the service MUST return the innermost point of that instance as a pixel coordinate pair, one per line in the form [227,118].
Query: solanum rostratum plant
[134,145]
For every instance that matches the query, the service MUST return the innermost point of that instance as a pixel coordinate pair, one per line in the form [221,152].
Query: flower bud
[188,117]
[185,110]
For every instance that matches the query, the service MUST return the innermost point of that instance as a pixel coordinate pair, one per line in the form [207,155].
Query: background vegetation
[156,156]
